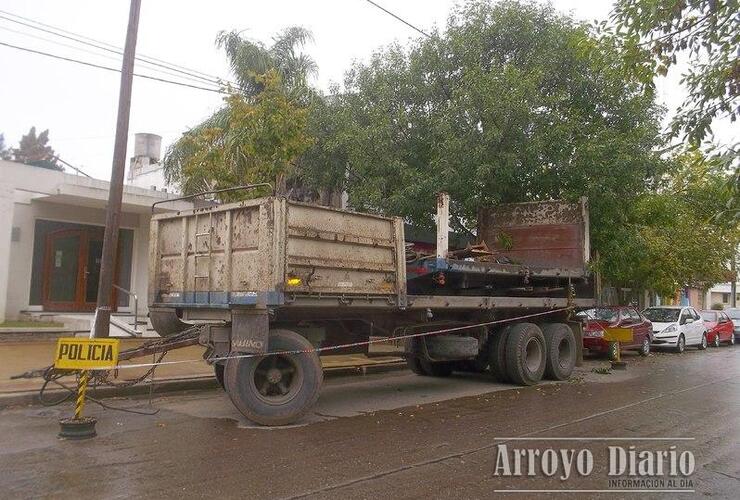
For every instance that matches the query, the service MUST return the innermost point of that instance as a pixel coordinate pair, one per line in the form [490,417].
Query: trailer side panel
[550,234]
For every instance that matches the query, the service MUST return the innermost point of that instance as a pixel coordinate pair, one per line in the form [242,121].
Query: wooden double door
[72,269]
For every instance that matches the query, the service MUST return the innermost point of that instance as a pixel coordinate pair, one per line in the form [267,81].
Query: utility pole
[113,214]
[733,283]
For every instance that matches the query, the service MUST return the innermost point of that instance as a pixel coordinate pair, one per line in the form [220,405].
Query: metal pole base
[77,428]
[619,365]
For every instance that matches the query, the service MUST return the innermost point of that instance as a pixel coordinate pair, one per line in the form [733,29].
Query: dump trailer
[298,280]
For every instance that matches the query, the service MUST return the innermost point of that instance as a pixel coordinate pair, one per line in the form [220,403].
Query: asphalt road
[395,435]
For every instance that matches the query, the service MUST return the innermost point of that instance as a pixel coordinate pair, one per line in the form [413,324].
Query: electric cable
[399,18]
[102,46]
[108,68]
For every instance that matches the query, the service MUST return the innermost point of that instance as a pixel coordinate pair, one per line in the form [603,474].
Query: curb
[202,383]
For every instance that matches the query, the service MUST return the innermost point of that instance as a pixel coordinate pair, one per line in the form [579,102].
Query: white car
[677,327]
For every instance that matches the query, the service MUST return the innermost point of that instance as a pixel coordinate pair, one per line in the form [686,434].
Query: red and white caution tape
[344,346]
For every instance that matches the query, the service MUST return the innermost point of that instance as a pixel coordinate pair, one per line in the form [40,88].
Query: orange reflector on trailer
[294,281]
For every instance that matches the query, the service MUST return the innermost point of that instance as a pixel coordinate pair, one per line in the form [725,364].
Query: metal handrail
[136,305]
[237,188]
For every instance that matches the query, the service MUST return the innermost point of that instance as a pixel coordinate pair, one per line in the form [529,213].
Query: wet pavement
[396,435]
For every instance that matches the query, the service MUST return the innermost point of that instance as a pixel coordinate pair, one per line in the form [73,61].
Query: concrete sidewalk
[17,357]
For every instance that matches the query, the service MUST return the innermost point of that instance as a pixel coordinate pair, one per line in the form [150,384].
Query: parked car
[719,327]
[599,318]
[734,315]
[677,327]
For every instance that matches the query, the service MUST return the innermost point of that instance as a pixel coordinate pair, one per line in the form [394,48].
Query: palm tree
[248,60]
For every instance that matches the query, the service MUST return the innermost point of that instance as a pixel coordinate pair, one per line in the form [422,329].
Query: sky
[78,104]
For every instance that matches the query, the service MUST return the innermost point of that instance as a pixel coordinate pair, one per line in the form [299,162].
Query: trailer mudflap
[249,330]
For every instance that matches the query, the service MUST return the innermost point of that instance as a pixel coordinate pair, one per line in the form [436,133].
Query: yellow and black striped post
[615,337]
[81,391]
[79,427]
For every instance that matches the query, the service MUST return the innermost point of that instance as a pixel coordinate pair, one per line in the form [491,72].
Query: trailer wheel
[525,354]
[561,350]
[275,389]
[497,355]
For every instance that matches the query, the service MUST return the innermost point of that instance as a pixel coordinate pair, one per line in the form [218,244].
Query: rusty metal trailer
[271,275]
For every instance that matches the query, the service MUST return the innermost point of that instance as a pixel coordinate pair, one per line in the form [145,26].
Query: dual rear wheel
[521,353]
[524,353]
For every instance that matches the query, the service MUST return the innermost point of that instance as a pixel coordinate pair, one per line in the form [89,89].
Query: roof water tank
[149,145]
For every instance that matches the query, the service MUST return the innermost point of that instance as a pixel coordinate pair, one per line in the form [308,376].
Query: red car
[615,317]
[719,327]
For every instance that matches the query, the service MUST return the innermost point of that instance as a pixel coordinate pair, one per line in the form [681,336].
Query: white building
[51,234]
[721,294]
[145,170]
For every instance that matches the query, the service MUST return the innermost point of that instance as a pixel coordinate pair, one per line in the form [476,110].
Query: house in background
[722,294]
[51,235]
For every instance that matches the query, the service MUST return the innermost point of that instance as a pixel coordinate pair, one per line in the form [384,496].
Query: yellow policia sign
[618,334]
[86,354]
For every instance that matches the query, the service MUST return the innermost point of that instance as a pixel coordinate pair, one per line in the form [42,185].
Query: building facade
[51,234]
[721,294]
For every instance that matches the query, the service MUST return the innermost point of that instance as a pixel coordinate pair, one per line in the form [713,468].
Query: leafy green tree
[249,59]
[514,102]
[323,167]
[672,238]
[286,67]
[258,140]
[655,33]
[35,150]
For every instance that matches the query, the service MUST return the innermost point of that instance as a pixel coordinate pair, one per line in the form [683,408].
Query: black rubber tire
[497,355]
[526,354]
[703,345]
[239,373]
[681,344]
[561,351]
[218,370]
[717,341]
[645,347]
